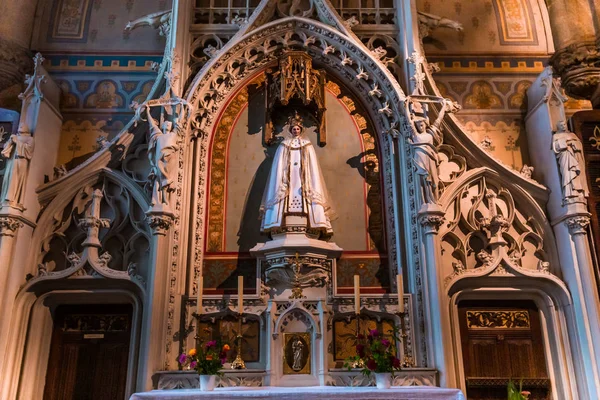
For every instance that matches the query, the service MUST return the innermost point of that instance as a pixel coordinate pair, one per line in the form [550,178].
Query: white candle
[400,286]
[357,294]
[199,295]
[240,294]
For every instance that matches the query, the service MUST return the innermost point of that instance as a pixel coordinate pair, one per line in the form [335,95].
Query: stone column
[9,226]
[439,316]
[154,322]
[577,59]
[567,209]
[16,26]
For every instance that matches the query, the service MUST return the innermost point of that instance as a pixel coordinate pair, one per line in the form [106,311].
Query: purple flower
[385,342]
[182,358]
[396,363]
[193,364]
[360,350]
[210,344]
[223,360]
[374,333]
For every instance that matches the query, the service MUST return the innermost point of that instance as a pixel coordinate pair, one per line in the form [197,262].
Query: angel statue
[162,152]
[295,185]
[425,139]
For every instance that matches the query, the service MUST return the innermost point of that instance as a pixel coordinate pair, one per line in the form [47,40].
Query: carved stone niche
[295,83]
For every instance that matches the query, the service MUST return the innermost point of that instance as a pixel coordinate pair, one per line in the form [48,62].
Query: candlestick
[357,294]
[199,295]
[239,363]
[400,286]
[241,294]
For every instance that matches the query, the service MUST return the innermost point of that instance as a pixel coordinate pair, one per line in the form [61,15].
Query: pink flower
[210,344]
[182,358]
[372,365]
[385,342]
[193,364]
[526,394]
[223,360]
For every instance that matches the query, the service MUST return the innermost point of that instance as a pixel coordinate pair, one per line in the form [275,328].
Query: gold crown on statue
[295,120]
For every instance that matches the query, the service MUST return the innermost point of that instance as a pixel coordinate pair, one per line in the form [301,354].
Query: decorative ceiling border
[102,62]
[489,65]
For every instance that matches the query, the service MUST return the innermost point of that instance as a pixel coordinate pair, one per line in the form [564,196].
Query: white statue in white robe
[18,151]
[296,186]
[569,154]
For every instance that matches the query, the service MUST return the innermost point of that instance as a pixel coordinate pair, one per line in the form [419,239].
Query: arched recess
[351,63]
[297,320]
[497,244]
[554,304]
[68,267]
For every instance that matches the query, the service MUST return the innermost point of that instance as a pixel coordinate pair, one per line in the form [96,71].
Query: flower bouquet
[207,360]
[377,354]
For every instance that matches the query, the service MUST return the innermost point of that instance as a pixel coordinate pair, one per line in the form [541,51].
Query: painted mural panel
[516,23]
[70,20]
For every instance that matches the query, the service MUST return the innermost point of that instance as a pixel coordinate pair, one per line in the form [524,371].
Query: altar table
[307,393]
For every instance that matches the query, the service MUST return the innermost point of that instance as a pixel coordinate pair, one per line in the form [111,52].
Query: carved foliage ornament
[498,320]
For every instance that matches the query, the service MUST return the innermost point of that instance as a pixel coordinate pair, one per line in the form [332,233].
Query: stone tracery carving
[120,237]
[485,228]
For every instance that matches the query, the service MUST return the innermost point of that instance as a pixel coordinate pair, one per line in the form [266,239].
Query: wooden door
[502,340]
[89,353]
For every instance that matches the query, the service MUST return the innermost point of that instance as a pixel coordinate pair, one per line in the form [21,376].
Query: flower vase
[383,380]
[207,382]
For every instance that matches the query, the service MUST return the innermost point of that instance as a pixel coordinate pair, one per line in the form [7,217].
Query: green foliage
[516,394]
[375,353]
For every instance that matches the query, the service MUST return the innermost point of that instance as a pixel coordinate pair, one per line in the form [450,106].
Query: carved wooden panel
[502,340]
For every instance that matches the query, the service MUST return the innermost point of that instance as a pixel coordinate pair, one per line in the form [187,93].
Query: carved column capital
[579,67]
[431,222]
[159,223]
[578,225]
[9,226]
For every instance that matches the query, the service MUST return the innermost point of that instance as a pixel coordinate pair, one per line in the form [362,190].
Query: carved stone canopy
[295,83]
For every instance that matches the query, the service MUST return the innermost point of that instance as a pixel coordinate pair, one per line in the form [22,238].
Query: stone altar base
[307,393]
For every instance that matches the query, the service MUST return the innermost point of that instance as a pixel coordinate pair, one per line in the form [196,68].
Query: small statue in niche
[297,349]
[295,185]
[163,146]
[18,151]
[426,138]
[569,155]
